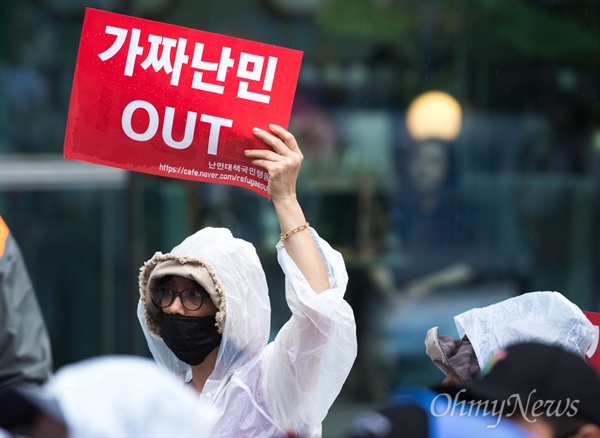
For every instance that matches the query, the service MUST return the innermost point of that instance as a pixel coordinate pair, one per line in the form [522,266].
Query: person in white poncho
[205,312]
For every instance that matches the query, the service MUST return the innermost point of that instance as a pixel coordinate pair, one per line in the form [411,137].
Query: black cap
[562,380]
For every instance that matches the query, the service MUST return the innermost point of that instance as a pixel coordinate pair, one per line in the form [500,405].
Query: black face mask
[190,338]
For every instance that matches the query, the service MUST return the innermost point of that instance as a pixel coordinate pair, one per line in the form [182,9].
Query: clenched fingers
[283,142]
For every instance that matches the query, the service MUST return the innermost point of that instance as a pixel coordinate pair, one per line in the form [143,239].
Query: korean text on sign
[153,97]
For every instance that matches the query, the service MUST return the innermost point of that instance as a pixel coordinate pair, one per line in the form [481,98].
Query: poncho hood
[231,272]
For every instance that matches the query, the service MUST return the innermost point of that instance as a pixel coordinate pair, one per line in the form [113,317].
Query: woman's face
[179,284]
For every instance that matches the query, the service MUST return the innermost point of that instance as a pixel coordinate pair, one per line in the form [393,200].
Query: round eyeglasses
[163,296]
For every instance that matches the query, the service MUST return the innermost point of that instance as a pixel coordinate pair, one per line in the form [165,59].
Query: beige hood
[161,265]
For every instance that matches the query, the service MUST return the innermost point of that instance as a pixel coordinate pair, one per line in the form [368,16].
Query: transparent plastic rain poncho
[546,317]
[289,384]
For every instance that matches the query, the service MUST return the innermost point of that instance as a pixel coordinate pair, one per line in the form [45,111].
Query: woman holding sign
[205,311]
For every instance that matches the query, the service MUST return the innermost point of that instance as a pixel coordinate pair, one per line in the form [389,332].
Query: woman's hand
[282,163]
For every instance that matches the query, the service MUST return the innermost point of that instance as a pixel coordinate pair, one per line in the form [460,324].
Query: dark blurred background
[452,155]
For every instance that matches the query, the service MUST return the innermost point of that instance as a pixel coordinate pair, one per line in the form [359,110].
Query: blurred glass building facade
[431,224]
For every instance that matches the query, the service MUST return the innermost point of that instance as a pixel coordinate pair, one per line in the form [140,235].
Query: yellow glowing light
[434,114]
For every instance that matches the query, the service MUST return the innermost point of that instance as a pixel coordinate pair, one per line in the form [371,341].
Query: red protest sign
[593,353]
[178,102]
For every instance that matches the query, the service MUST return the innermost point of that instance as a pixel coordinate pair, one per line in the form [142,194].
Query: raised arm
[283,165]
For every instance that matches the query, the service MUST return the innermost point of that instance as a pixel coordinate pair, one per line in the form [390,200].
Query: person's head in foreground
[107,396]
[548,390]
[542,317]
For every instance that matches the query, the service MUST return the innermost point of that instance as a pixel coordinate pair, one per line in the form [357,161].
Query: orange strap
[3,235]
